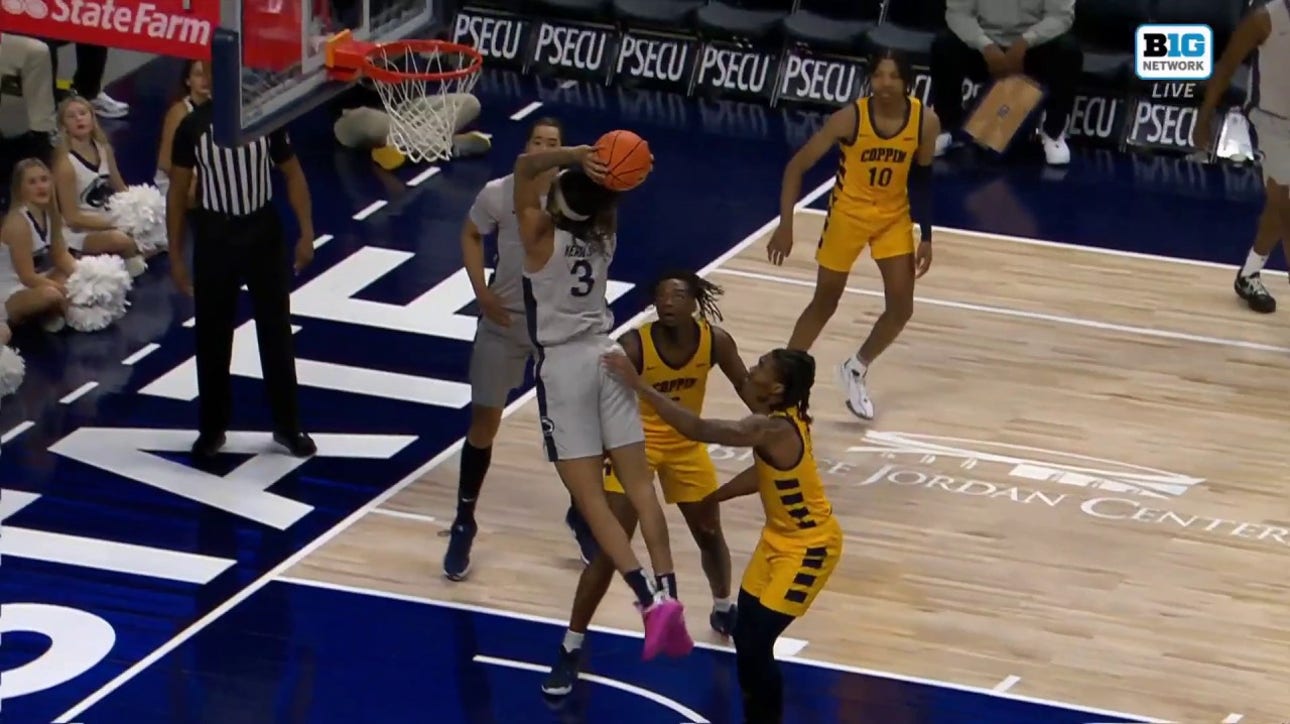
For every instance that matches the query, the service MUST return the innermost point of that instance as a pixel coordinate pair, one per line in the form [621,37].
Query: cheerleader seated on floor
[87,177]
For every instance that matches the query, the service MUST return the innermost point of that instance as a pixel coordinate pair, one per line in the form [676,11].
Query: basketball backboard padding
[267,61]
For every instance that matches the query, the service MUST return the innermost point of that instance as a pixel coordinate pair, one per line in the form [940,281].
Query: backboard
[267,55]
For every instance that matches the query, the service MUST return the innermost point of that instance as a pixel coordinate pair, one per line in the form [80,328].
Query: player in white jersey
[569,242]
[502,345]
[1265,31]
[86,175]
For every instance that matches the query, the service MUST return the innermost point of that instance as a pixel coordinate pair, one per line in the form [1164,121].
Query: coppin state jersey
[565,300]
[873,176]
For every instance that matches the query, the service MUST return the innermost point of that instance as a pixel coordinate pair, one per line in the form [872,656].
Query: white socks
[721,605]
[573,640]
[1253,264]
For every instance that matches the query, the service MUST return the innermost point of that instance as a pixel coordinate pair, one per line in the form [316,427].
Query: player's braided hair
[705,293]
[797,374]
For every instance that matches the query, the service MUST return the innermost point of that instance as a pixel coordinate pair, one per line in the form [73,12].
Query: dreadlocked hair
[705,293]
[797,374]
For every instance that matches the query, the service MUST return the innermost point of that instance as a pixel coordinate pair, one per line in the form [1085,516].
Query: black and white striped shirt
[234,181]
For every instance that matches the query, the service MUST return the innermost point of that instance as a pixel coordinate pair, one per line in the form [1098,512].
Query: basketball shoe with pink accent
[665,631]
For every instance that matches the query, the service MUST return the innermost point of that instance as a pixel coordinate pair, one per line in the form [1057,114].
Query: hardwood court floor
[1077,477]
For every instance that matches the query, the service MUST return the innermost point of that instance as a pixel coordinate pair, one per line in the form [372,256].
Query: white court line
[1028,241]
[567,84]
[321,240]
[391,513]
[372,208]
[1008,312]
[424,176]
[17,430]
[525,111]
[713,647]
[1008,682]
[147,349]
[376,502]
[77,393]
[691,716]
[1233,718]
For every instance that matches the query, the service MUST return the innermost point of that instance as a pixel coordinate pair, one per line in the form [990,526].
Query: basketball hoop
[421,82]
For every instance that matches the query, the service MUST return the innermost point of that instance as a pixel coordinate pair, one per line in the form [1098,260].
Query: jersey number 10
[879,176]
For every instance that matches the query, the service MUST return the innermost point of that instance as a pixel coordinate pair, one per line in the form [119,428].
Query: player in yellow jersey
[673,356]
[801,541]
[887,141]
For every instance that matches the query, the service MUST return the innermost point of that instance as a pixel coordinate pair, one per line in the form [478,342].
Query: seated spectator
[86,174]
[368,127]
[194,89]
[997,38]
[27,120]
[34,261]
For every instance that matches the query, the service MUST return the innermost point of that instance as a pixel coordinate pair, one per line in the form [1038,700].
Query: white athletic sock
[1253,263]
[573,640]
[862,366]
[721,604]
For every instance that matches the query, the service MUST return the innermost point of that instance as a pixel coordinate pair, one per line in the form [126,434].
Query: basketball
[628,158]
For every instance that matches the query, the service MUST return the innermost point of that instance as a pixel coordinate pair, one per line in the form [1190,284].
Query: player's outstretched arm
[744,483]
[725,353]
[840,126]
[630,341]
[1252,32]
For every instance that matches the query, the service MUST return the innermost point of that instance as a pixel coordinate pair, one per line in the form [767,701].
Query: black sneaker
[723,622]
[456,561]
[564,674]
[1251,289]
[587,547]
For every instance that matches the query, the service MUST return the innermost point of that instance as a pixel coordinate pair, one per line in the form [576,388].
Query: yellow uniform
[869,205]
[685,470]
[801,541]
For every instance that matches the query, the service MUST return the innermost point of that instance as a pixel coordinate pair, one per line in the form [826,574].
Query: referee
[238,238]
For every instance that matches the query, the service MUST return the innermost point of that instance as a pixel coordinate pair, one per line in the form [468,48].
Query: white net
[424,114]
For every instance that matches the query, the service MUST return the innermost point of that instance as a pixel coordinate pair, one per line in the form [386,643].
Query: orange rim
[396,48]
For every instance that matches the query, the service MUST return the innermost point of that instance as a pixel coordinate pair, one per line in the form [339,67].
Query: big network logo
[1174,52]
[37,9]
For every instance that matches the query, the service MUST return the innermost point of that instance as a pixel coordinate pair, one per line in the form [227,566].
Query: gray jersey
[1269,91]
[494,212]
[565,300]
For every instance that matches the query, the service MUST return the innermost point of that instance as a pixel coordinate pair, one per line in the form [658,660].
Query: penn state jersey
[1269,91]
[494,212]
[565,300]
[38,223]
[93,182]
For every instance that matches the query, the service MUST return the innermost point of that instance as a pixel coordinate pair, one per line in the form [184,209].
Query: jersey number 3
[879,176]
[581,269]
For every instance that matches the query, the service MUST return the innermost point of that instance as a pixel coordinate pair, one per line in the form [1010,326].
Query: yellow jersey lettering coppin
[800,542]
[887,141]
[673,358]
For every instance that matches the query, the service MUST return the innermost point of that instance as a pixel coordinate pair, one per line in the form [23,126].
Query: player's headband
[561,205]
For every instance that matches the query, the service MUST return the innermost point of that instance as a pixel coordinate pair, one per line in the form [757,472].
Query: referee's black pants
[229,251]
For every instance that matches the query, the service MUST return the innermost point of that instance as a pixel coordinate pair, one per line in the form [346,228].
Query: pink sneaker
[665,630]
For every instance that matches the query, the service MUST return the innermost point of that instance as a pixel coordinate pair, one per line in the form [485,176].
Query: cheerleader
[86,174]
[34,262]
[194,90]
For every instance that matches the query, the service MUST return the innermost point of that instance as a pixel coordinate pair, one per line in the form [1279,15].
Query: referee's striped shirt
[234,181]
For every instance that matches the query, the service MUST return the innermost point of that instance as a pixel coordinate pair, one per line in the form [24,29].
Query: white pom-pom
[97,292]
[12,370]
[140,211]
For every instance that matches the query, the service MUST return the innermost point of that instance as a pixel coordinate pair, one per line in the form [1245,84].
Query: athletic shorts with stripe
[786,573]
[497,360]
[685,472]
[584,409]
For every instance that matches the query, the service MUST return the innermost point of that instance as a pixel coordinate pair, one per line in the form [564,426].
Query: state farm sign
[164,27]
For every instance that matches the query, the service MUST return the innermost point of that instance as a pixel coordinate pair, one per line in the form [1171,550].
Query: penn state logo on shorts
[548,427]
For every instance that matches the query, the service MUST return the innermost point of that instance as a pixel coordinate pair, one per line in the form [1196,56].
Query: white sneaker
[943,143]
[109,107]
[1056,152]
[54,325]
[851,375]
[136,266]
